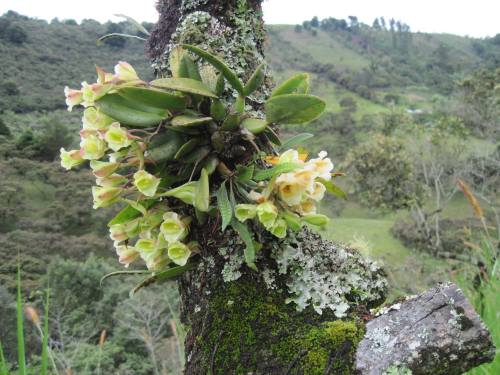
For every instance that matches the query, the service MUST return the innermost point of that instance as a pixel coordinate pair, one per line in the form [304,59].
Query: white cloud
[477,18]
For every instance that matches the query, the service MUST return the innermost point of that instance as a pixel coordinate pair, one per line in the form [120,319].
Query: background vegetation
[408,115]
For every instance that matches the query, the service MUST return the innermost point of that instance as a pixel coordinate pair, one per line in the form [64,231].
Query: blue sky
[478,18]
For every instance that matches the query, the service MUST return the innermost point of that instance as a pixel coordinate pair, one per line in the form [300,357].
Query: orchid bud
[70,159]
[73,97]
[267,214]
[92,147]
[113,180]
[245,211]
[126,254]
[105,196]
[93,119]
[173,228]
[117,137]
[103,168]
[289,156]
[125,72]
[146,183]
[316,219]
[179,253]
[279,228]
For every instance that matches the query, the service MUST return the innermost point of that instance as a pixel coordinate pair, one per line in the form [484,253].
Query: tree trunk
[284,319]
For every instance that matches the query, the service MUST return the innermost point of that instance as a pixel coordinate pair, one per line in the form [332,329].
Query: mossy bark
[240,321]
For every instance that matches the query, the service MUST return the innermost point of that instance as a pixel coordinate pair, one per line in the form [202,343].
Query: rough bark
[243,322]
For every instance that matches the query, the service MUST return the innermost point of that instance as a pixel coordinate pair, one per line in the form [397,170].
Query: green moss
[257,327]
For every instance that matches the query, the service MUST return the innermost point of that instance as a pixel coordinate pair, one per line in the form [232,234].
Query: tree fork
[239,320]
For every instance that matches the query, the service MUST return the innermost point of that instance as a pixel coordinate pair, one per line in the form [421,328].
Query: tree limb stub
[437,332]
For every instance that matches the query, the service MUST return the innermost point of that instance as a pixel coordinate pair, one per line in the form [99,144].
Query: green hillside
[387,89]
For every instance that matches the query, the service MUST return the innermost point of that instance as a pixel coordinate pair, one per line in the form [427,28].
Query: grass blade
[3,362]
[45,338]
[21,355]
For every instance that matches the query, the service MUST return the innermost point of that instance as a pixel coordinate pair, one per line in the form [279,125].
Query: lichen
[397,370]
[334,279]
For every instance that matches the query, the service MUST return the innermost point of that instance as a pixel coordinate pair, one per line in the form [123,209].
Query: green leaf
[239,104]
[129,213]
[218,64]
[119,273]
[187,85]
[45,339]
[255,81]
[245,173]
[231,122]
[192,68]
[333,189]
[225,207]
[185,193]
[118,35]
[177,66]
[136,206]
[210,164]
[292,220]
[293,108]
[219,87]
[298,84]
[202,193]
[154,98]
[254,125]
[272,136]
[296,140]
[127,114]
[197,155]
[316,219]
[21,355]
[245,235]
[169,274]
[266,174]
[137,25]
[165,148]
[189,120]
[217,110]
[187,147]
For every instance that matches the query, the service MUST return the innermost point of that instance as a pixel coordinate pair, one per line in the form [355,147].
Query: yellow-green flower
[70,159]
[93,92]
[306,207]
[289,156]
[125,72]
[173,227]
[73,97]
[145,245]
[279,228]
[93,119]
[156,260]
[146,183]
[245,211]
[105,196]
[267,214]
[92,147]
[126,254]
[322,166]
[117,137]
[103,168]
[318,192]
[179,253]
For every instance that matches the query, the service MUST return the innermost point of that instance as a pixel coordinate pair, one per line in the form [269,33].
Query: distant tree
[353,22]
[383,174]
[348,103]
[4,129]
[15,34]
[382,22]
[70,22]
[10,88]
[376,24]
[306,25]
[315,22]
[298,28]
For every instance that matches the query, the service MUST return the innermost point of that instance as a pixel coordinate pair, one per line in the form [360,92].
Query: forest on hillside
[412,122]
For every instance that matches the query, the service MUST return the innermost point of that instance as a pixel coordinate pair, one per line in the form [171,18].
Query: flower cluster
[158,233]
[292,197]
[178,153]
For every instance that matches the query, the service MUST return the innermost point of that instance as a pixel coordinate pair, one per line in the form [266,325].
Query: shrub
[15,34]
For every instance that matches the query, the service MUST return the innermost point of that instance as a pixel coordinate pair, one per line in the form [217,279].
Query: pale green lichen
[397,370]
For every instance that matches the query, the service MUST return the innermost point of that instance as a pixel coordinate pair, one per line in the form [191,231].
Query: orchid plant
[182,149]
